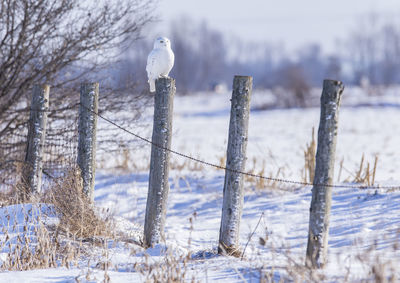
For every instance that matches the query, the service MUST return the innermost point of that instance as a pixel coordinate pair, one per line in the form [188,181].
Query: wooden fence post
[157,196]
[89,96]
[36,139]
[236,159]
[317,247]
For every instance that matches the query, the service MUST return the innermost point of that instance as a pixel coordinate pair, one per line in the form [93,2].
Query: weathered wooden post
[236,159]
[89,96]
[36,138]
[157,196]
[317,247]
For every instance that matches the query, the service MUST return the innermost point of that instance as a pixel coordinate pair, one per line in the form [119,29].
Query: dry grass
[171,269]
[16,193]
[379,268]
[78,216]
[365,173]
[185,164]
[258,183]
[263,183]
[32,249]
[8,197]
[309,159]
[125,162]
[33,244]
[340,170]
[126,157]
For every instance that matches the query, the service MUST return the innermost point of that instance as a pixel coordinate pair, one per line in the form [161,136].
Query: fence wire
[60,147]
[61,151]
[279,180]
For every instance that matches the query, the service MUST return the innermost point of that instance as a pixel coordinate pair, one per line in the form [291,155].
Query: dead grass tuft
[187,164]
[29,243]
[78,216]
[309,159]
[13,189]
[171,268]
[8,197]
[260,170]
[364,174]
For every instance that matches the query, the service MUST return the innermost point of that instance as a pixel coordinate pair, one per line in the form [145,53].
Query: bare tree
[133,65]
[186,60]
[199,63]
[292,78]
[334,68]
[363,49]
[59,42]
[391,54]
[212,52]
[310,60]
[374,50]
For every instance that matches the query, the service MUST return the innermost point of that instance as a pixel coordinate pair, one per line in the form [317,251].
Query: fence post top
[165,84]
[165,79]
[45,87]
[86,83]
[333,89]
[240,77]
[328,83]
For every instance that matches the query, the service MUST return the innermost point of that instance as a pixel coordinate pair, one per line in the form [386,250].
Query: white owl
[160,61]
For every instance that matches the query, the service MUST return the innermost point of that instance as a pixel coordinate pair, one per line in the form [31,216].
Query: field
[365,223]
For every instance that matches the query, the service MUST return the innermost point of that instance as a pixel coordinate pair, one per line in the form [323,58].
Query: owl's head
[162,42]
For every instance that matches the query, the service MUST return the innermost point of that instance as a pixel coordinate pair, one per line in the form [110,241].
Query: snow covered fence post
[87,127]
[236,159]
[157,196]
[317,247]
[36,138]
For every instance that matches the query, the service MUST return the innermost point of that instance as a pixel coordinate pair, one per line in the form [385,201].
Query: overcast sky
[293,22]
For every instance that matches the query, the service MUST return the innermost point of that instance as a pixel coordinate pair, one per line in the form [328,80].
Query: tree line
[205,57]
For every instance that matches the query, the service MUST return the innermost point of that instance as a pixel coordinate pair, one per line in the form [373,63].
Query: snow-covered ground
[365,223]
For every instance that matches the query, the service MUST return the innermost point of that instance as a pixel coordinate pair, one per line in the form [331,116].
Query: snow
[364,223]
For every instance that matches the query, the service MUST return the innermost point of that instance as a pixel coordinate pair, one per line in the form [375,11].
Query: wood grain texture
[159,164]
[236,159]
[317,247]
[36,139]
[87,128]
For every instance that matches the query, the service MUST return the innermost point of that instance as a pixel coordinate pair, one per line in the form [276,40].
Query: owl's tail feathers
[152,84]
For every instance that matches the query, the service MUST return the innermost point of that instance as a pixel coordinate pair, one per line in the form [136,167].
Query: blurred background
[292,45]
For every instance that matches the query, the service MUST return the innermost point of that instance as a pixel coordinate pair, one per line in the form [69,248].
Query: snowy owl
[160,61]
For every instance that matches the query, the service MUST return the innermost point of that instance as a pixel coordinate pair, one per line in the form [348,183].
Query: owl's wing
[151,64]
[172,60]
